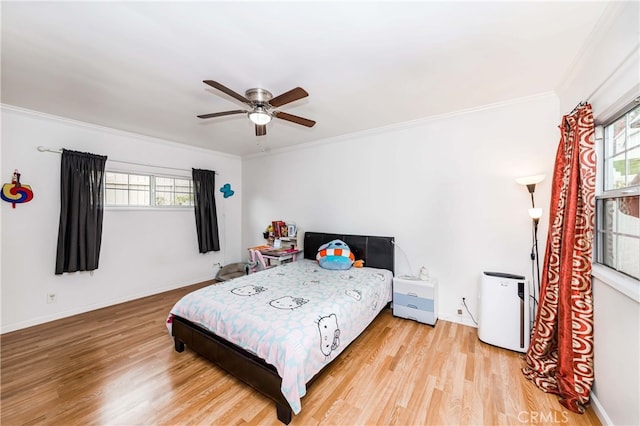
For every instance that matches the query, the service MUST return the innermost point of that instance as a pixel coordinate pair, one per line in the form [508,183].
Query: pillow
[335,255]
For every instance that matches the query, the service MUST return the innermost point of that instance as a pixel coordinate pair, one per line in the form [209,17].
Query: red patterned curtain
[560,357]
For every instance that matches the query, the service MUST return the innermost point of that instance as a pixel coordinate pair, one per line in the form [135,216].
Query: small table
[280,255]
[272,255]
[416,299]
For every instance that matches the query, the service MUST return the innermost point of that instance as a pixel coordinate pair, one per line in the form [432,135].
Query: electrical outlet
[461,307]
[51,297]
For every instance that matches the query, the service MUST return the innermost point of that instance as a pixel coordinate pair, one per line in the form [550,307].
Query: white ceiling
[139,66]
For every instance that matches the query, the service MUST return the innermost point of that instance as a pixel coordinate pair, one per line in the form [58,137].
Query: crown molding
[404,125]
[608,19]
[97,127]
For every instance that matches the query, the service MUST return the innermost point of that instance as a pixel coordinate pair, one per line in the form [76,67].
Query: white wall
[607,71]
[617,350]
[143,252]
[609,78]
[443,187]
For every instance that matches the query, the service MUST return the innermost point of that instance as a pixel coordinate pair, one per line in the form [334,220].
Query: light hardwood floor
[95,369]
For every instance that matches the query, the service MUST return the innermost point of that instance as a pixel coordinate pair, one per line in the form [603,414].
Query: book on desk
[274,256]
[272,251]
[278,252]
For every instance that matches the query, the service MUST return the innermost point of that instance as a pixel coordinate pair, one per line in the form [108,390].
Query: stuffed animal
[335,255]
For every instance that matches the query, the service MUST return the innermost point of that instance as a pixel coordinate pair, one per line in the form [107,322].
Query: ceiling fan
[262,106]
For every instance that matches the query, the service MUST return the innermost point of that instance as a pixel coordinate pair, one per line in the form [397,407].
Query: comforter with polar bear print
[297,316]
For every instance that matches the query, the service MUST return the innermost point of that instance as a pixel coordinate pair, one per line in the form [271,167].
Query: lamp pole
[535,214]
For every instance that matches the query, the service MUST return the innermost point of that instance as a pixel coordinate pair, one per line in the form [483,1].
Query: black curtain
[81,208]
[204,183]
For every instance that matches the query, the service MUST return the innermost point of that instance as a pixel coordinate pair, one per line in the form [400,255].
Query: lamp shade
[530,180]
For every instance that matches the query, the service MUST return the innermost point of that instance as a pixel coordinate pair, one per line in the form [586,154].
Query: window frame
[153,204]
[604,195]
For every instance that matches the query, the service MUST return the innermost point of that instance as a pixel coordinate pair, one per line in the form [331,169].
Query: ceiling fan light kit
[262,106]
[260,116]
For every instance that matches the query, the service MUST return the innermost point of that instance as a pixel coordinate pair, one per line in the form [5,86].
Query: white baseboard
[457,319]
[84,309]
[599,410]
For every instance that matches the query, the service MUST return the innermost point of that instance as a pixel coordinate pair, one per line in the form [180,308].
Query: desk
[280,255]
[273,256]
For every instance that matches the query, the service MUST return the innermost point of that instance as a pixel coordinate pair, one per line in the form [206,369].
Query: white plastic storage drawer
[415,299]
[424,317]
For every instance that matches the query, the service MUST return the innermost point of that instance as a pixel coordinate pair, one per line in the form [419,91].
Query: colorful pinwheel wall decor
[15,192]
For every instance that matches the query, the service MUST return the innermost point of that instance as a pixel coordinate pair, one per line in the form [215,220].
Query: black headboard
[377,252]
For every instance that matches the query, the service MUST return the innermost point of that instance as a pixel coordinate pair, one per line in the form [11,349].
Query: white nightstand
[416,299]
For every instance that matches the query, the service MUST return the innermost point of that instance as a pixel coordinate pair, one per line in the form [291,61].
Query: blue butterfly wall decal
[226,190]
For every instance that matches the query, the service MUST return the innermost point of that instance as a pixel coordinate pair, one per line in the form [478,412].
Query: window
[173,191]
[618,207]
[126,189]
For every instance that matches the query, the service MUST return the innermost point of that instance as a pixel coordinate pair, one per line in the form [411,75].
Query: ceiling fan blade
[220,114]
[290,96]
[261,129]
[226,90]
[294,118]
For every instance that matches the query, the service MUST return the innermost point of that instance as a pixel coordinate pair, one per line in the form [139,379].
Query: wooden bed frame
[377,252]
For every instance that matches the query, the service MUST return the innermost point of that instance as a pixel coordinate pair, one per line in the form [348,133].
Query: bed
[292,319]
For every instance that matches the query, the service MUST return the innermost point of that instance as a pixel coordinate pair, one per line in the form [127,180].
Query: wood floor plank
[117,366]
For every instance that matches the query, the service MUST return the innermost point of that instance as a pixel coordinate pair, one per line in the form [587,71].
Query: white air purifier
[504,313]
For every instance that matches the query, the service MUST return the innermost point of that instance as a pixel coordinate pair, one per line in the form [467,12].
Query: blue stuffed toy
[335,255]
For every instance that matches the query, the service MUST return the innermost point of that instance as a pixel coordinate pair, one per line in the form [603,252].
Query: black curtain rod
[59,151]
[581,104]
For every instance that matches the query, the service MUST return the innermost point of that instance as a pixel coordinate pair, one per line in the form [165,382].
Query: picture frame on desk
[292,230]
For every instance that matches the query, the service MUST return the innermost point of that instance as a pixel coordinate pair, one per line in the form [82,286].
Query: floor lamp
[535,213]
